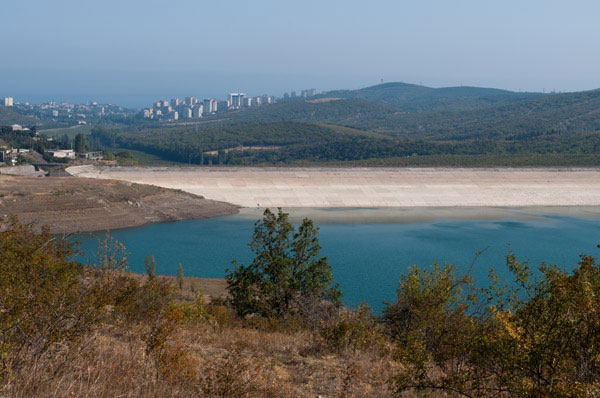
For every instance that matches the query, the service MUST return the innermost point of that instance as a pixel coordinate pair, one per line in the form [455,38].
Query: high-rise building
[198,110]
[8,101]
[311,92]
[293,94]
[210,106]
[267,99]
[164,103]
[247,102]
[234,100]
[175,102]
[256,101]
[190,101]
[286,95]
[187,113]
[175,115]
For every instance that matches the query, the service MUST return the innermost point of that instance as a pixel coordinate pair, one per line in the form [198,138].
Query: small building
[95,155]
[62,153]
[8,155]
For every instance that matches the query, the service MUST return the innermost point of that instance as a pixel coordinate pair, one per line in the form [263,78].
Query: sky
[133,52]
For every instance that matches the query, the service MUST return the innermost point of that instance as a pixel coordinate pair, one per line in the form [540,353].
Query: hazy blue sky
[134,51]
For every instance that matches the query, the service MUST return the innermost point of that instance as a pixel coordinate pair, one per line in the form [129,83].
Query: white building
[233,100]
[175,115]
[210,106]
[55,113]
[175,102]
[198,111]
[187,113]
[8,101]
[62,153]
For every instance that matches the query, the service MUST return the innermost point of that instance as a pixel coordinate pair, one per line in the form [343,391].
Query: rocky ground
[69,205]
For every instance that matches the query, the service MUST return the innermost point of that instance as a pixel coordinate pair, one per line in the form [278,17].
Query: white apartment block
[210,106]
[8,101]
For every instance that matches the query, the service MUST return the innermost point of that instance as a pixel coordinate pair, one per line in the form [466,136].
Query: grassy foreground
[94,330]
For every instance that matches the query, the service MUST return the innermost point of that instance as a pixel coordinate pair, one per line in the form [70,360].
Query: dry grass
[207,361]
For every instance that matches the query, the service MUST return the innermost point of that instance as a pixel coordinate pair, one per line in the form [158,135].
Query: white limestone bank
[370,187]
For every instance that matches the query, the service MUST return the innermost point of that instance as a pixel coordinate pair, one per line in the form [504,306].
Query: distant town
[161,110]
[193,108]
[66,112]
[28,143]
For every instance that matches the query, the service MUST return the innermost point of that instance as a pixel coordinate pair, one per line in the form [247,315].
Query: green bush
[354,330]
[537,337]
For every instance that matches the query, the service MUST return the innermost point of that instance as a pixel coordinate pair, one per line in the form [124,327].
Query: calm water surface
[367,257]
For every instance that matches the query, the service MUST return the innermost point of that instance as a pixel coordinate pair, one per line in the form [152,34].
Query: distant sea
[368,255]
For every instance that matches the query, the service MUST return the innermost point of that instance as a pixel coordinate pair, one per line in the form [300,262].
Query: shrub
[354,330]
[45,302]
[533,338]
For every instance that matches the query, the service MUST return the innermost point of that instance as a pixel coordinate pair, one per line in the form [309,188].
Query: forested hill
[555,113]
[8,117]
[416,98]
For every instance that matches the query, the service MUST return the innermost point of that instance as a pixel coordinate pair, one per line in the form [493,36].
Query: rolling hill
[416,98]
[555,113]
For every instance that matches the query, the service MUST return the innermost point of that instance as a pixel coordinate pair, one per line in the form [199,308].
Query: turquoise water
[367,258]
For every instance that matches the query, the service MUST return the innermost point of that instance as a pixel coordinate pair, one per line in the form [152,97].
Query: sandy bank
[370,187]
[67,204]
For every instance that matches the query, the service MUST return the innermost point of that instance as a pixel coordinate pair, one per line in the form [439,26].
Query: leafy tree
[287,267]
[80,144]
[150,266]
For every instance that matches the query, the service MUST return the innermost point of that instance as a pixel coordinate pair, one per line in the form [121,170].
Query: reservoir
[369,249]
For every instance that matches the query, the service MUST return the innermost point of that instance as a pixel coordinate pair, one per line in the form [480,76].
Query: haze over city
[133,52]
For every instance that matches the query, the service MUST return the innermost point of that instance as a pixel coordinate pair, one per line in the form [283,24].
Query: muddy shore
[71,205]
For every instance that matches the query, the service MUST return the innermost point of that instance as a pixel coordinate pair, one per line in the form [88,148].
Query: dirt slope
[67,204]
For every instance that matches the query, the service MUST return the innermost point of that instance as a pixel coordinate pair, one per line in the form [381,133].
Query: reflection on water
[368,254]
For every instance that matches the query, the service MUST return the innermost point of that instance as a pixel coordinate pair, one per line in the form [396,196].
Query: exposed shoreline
[254,187]
[73,205]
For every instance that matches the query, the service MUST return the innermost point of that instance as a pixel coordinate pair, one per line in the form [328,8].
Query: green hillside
[310,144]
[556,129]
[415,98]
[556,113]
[8,117]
